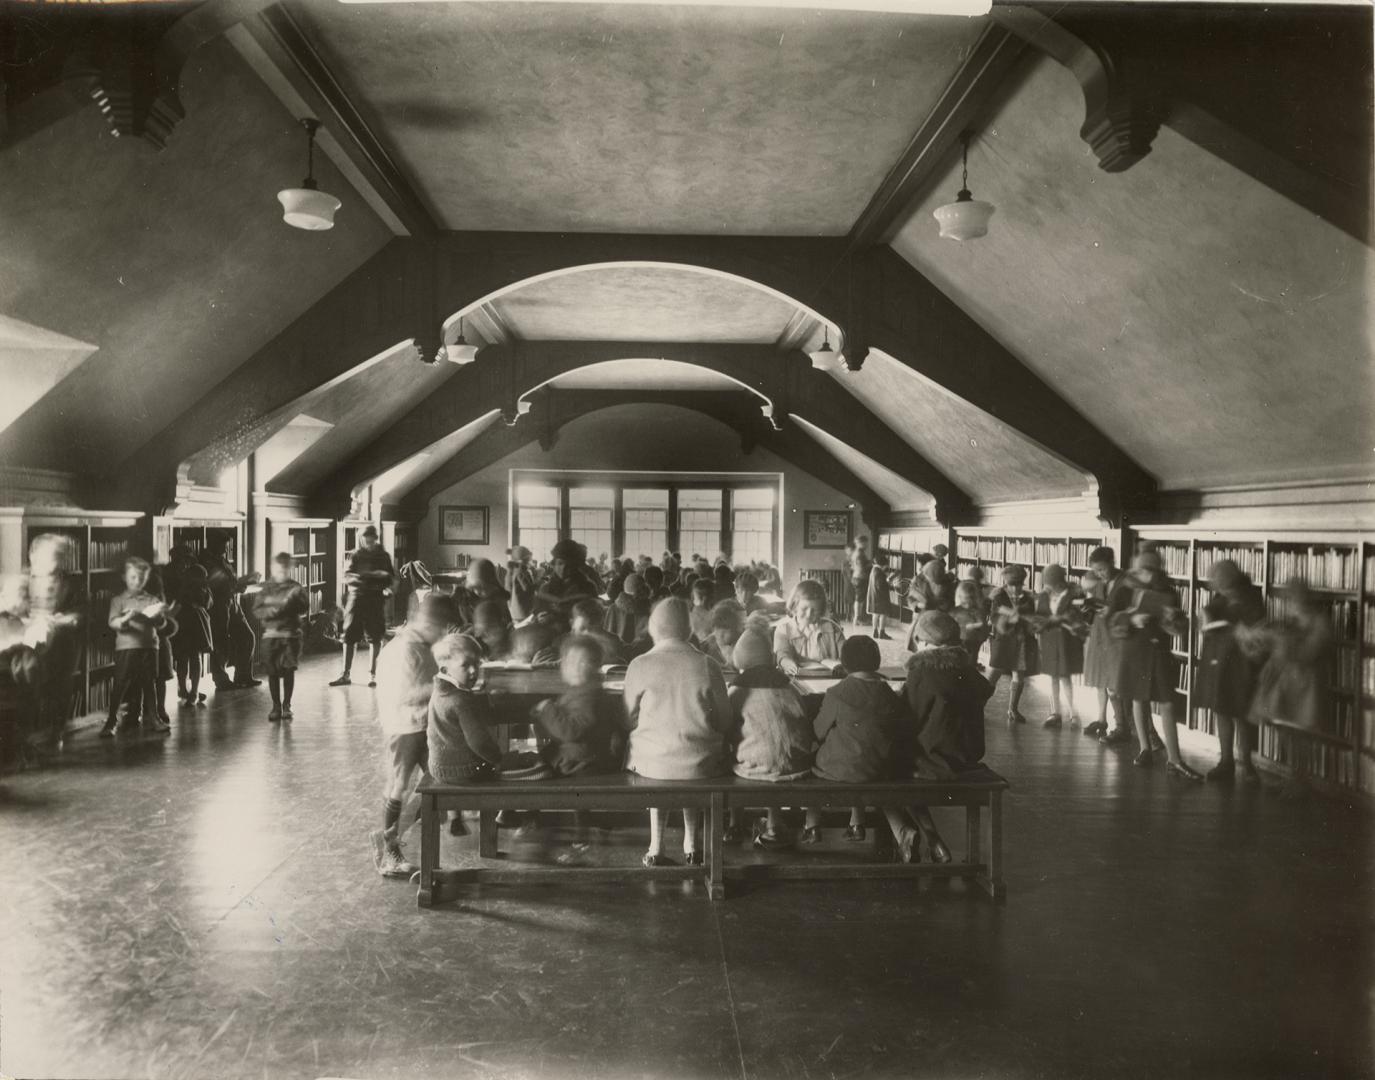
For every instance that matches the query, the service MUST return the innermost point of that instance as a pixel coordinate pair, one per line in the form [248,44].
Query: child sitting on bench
[582,724]
[462,746]
[678,715]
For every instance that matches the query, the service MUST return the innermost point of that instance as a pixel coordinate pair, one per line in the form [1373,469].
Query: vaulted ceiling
[1182,307]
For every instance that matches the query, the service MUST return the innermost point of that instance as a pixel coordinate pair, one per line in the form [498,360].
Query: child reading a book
[280,606]
[678,715]
[136,616]
[1012,649]
[1061,629]
[806,636]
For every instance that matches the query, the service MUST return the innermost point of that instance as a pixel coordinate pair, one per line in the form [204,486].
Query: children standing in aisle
[678,715]
[194,636]
[1144,611]
[136,616]
[773,738]
[1228,664]
[863,731]
[1012,649]
[880,598]
[971,616]
[1059,642]
[1103,653]
[806,635]
[279,607]
[405,682]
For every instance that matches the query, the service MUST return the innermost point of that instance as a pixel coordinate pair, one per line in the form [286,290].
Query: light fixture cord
[964,175]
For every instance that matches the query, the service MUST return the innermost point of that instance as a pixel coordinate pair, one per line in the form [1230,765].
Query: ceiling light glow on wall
[307,207]
[967,217]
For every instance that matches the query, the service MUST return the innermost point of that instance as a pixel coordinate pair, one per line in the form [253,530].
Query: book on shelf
[1079,552]
[1174,557]
[1280,606]
[1321,567]
[967,548]
[1051,551]
[1369,623]
[1020,551]
[1250,559]
[991,550]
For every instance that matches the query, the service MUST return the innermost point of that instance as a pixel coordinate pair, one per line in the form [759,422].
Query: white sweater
[405,680]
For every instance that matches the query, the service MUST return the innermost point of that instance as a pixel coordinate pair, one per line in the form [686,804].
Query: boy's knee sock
[690,820]
[391,818]
[288,686]
[274,687]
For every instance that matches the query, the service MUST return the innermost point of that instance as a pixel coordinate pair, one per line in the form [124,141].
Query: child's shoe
[855,834]
[286,712]
[811,834]
[693,858]
[764,838]
[1096,728]
[1053,722]
[650,860]
[1015,717]
[159,726]
[1116,737]
[456,826]
[938,851]
[275,715]
[1074,721]
[343,680]
[1224,772]
[907,849]
[107,729]
[372,680]
[389,859]
[1143,759]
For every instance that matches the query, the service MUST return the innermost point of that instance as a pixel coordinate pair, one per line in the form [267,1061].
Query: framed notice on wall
[463,524]
[827,528]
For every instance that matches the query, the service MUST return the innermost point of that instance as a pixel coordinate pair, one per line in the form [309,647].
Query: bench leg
[715,829]
[973,834]
[992,880]
[487,834]
[429,849]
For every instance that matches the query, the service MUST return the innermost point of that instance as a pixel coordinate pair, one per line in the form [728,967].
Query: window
[646,522]
[752,525]
[589,518]
[537,518]
[699,522]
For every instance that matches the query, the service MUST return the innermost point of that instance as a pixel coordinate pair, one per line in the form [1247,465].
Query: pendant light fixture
[825,356]
[307,207]
[967,217]
[460,352]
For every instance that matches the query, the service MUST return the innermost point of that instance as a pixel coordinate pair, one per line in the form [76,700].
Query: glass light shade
[522,407]
[964,219]
[460,352]
[823,357]
[307,208]
[767,409]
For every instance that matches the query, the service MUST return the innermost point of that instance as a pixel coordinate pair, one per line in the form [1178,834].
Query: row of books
[1019,551]
[1175,559]
[107,554]
[98,699]
[1369,622]
[1280,606]
[1347,671]
[1370,573]
[1051,551]
[1326,761]
[1080,550]
[1321,568]
[967,547]
[1367,675]
[1251,560]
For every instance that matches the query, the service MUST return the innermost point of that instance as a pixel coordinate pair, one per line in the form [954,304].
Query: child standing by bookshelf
[195,635]
[1103,652]
[880,599]
[1227,664]
[678,716]
[1012,648]
[280,605]
[136,617]
[1144,612]
[1059,641]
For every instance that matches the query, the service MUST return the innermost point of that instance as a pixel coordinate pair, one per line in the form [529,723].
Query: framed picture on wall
[827,528]
[463,524]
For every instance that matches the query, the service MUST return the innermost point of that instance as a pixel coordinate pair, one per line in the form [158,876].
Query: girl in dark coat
[194,635]
[1143,612]
[880,599]
[1059,640]
[1012,649]
[1227,669]
[1103,652]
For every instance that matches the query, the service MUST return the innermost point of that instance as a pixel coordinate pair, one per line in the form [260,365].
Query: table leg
[973,834]
[429,849]
[992,880]
[487,834]
[715,832]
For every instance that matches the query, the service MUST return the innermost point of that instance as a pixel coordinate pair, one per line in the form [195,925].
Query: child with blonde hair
[806,635]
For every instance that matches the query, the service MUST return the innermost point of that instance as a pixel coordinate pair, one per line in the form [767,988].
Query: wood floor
[204,905]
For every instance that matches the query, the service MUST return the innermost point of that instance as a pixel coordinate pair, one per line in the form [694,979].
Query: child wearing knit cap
[679,715]
[863,731]
[945,695]
[773,739]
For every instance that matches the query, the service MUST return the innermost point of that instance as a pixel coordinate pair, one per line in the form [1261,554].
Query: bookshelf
[309,542]
[1341,571]
[192,533]
[100,540]
[991,550]
[901,547]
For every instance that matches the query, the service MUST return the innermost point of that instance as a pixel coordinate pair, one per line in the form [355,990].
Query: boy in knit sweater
[461,744]
[136,616]
[280,605]
[405,680]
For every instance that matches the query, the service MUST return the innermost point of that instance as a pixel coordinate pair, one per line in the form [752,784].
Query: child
[773,738]
[725,583]
[933,590]
[460,720]
[862,729]
[699,618]
[1103,653]
[806,635]
[366,582]
[1060,644]
[491,628]
[405,682]
[589,616]
[1012,650]
[627,619]
[481,586]
[654,584]
[280,606]
[678,715]
[1227,668]
[946,696]
[166,669]
[136,616]
[727,624]
[880,598]
[747,593]
[582,724]
[971,616]
[1144,612]
[195,637]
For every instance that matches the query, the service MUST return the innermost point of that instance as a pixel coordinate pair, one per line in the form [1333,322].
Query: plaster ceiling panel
[414,471]
[978,452]
[175,265]
[643,375]
[643,117]
[359,409]
[639,303]
[1217,332]
[898,493]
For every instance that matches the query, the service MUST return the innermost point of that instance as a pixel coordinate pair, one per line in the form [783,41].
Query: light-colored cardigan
[678,714]
[405,680]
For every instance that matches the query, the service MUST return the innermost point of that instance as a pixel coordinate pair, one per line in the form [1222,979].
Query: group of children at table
[694,706]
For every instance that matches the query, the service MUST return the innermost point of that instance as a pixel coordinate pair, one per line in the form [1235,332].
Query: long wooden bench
[982,862]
